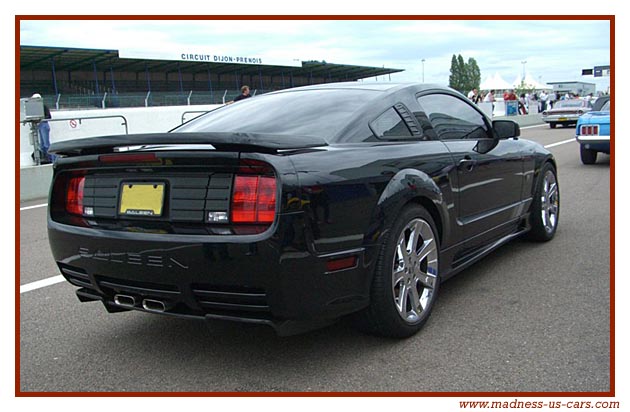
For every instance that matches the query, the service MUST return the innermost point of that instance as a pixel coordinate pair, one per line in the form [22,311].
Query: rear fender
[411,186]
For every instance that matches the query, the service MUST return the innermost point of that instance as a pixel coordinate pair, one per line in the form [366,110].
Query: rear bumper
[597,143]
[565,118]
[274,278]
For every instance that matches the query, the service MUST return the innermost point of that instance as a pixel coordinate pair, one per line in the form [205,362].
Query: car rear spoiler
[244,142]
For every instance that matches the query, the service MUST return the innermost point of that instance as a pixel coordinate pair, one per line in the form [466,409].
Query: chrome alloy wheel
[415,270]
[549,201]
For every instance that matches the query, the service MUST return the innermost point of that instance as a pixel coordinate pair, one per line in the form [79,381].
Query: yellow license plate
[562,119]
[142,199]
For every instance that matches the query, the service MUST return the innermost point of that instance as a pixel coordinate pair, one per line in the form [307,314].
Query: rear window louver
[408,118]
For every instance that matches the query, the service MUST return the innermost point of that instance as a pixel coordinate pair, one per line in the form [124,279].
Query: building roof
[76,59]
[572,82]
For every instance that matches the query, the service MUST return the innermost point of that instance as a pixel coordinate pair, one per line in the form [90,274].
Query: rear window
[321,113]
[570,103]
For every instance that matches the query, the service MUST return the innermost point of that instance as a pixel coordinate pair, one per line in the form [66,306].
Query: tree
[464,76]
[454,80]
[474,74]
[463,81]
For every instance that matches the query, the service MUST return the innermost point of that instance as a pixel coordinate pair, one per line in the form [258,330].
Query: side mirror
[506,129]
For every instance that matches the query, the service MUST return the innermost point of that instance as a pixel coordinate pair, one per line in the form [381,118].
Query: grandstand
[83,78]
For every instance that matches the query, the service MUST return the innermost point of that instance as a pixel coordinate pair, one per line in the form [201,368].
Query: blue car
[593,131]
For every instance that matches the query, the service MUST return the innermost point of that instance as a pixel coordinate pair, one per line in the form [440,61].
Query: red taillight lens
[253,199]
[589,130]
[266,199]
[74,195]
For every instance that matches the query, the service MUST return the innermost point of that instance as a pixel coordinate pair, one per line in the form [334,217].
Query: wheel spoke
[427,294]
[399,276]
[427,280]
[401,250]
[414,237]
[414,299]
[427,248]
[402,299]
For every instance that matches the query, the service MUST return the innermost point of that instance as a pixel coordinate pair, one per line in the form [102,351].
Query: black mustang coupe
[300,206]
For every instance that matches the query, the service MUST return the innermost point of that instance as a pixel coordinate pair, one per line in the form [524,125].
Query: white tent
[516,82]
[495,82]
[530,83]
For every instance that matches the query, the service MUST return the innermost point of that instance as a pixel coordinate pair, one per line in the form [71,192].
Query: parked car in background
[300,206]
[593,131]
[566,112]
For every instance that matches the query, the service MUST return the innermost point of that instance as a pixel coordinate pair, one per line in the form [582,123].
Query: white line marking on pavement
[33,207]
[559,143]
[41,284]
[531,127]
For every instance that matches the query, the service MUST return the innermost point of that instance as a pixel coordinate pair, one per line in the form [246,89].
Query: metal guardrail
[80,118]
[144,98]
[34,133]
[193,111]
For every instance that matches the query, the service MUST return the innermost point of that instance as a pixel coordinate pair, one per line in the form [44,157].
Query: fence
[149,99]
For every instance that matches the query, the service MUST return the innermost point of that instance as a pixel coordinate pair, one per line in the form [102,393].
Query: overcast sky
[554,50]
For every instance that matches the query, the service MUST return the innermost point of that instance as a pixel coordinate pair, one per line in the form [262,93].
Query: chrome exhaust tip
[124,300]
[153,305]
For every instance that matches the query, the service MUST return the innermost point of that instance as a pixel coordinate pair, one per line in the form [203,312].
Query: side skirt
[463,262]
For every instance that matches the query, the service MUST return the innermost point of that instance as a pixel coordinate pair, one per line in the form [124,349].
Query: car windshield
[605,107]
[320,113]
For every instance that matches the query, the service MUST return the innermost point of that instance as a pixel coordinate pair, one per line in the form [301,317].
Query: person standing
[511,95]
[44,134]
[522,104]
[543,101]
[551,98]
[244,94]
[490,99]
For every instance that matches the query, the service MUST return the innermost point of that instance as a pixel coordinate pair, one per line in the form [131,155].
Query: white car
[566,112]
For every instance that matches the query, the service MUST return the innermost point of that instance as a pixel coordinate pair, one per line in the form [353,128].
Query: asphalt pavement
[528,318]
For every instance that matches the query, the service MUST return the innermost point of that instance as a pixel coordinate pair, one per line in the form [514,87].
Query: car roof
[599,103]
[376,86]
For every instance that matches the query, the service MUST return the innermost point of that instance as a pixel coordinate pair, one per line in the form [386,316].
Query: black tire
[588,156]
[545,210]
[552,125]
[404,315]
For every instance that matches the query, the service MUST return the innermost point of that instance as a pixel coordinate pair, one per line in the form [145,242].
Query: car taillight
[253,199]
[592,130]
[74,195]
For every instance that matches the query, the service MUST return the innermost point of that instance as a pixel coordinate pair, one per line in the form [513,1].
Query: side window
[453,118]
[390,124]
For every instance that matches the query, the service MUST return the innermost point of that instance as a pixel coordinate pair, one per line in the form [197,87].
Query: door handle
[467,163]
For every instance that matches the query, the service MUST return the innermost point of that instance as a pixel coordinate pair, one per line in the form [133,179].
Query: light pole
[523,63]
[422,70]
